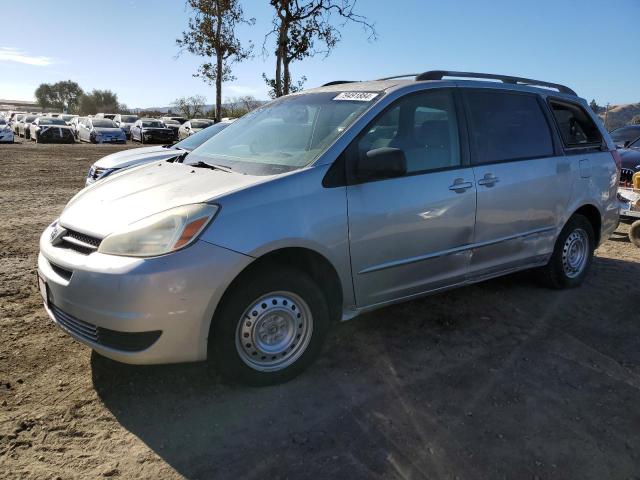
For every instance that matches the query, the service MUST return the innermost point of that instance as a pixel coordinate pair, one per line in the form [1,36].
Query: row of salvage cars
[101,128]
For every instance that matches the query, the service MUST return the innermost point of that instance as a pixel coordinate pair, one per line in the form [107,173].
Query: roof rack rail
[339,82]
[438,74]
[397,76]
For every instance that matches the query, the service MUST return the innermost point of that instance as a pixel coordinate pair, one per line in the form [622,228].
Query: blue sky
[128,46]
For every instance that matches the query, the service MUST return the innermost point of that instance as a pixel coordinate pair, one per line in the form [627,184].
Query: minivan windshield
[284,135]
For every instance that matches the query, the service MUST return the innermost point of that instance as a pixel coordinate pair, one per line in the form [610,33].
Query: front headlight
[161,233]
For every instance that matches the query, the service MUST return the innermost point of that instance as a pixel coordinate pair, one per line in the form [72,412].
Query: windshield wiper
[212,166]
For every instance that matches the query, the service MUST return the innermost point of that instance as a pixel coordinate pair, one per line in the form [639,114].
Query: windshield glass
[171,122]
[30,118]
[198,138]
[66,118]
[128,118]
[103,123]
[51,121]
[285,134]
[625,134]
[153,124]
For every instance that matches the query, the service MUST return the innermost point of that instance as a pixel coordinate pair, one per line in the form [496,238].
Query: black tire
[634,233]
[555,274]
[224,355]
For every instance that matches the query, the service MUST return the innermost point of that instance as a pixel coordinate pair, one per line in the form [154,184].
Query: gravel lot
[500,380]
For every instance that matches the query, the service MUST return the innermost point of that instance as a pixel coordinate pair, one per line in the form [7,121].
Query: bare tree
[211,34]
[298,25]
[190,107]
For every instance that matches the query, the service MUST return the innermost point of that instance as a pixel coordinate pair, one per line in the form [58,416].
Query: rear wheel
[572,255]
[634,233]
[269,327]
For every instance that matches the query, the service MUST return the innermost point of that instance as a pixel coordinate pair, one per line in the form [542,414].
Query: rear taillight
[617,159]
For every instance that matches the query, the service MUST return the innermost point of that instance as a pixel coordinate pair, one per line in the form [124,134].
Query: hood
[135,156]
[107,130]
[630,158]
[123,198]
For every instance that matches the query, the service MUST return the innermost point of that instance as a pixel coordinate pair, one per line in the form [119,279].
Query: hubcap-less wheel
[575,253]
[274,331]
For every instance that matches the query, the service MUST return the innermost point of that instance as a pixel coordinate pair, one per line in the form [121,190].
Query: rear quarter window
[575,125]
[507,126]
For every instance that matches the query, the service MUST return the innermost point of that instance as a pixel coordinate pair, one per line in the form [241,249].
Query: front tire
[269,327]
[634,233]
[572,255]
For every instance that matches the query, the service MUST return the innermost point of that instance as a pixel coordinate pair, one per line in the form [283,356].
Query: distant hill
[620,115]
[175,110]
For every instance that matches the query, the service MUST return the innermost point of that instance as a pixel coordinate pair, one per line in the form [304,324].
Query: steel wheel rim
[575,253]
[274,331]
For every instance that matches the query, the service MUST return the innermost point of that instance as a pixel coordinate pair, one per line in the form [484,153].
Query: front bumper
[175,294]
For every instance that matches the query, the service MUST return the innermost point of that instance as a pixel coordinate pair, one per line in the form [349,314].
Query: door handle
[460,186]
[488,180]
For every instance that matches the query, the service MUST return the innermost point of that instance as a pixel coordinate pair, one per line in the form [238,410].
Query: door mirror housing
[381,163]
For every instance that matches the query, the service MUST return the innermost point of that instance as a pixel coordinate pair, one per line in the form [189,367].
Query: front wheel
[634,233]
[572,255]
[269,327]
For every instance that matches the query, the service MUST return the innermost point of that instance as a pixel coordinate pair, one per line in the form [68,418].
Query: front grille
[53,134]
[626,175]
[125,341]
[80,242]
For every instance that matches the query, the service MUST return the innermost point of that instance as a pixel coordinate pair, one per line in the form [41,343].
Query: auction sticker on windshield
[357,96]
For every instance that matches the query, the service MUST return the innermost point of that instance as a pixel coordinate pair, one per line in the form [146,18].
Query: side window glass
[577,129]
[506,126]
[424,126]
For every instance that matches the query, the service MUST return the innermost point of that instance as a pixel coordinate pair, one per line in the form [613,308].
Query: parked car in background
[6,134]
[100,130]
[180,120]
[192,126]
[51,130]
[630,156]
[54,114]
[326,204]
[15,122]
[125,122]
[67,117]
[12,114]
[624,136]
[173,125]
[24,124]
[110,116]
[137,156]
[150,130]
[74,124]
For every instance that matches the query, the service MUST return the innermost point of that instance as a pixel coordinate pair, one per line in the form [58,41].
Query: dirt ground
[504,379]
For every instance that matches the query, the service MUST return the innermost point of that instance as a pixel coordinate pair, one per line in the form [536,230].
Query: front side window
[507,126]
[286,134]
[424,126]
[577,129]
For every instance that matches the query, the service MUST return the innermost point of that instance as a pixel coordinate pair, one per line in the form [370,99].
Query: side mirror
[381,163]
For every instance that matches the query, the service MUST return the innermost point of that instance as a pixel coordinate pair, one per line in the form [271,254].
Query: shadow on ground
[501,379]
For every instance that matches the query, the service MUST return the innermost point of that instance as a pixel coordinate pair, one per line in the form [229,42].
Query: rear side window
[507,126]
[577,129]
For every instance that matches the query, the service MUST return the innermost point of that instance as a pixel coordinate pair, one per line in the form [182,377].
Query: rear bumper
[100,300]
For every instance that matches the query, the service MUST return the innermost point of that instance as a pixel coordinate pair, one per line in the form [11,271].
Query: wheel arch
[310,261]
[591,213]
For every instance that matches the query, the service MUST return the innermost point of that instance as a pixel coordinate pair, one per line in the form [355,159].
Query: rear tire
[572,255]
[269,327]
[634,233]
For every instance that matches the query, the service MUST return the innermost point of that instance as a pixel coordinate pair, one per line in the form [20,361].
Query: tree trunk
[280,56]
[218,87]
[286,79]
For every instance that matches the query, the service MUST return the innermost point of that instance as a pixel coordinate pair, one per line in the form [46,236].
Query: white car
[137,156]
[6,134]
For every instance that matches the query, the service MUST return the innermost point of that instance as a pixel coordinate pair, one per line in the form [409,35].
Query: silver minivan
[325,204]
